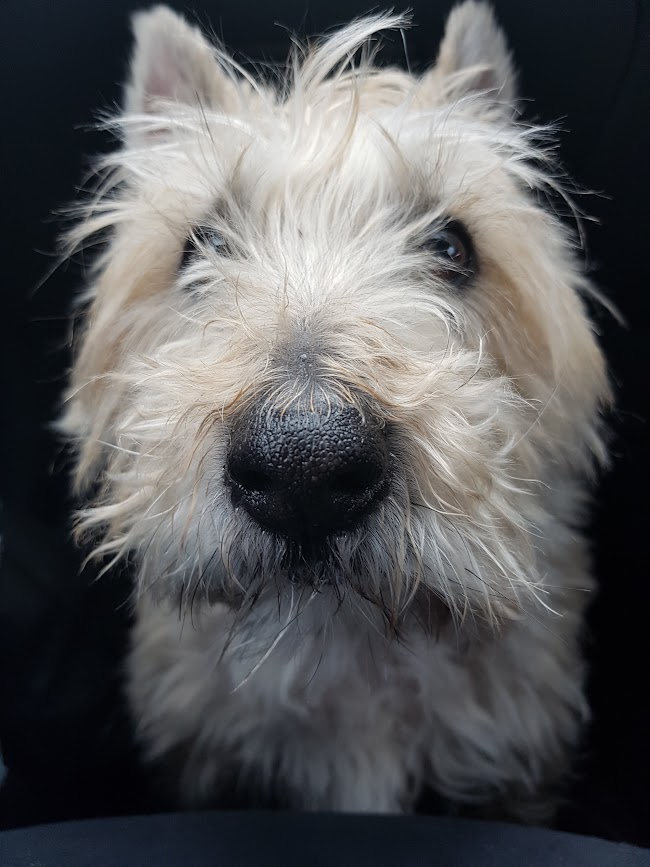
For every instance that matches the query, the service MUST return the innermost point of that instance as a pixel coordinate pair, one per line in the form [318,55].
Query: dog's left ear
[473,59]
[173,62]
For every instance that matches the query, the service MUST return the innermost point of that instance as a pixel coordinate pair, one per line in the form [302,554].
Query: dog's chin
[315,563]
[331,575]
[317,560]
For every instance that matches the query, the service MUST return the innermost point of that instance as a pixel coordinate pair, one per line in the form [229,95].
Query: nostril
[249,478]
[357,479]
[255,480]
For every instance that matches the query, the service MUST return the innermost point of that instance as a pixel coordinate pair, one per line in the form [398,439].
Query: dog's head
[334,340]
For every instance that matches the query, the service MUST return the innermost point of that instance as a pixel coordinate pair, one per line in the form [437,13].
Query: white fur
[439,644]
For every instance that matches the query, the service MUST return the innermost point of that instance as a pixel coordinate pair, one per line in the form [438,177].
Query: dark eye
[452,248]
[203,238]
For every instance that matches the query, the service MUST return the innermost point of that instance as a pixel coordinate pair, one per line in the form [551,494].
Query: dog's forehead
[386,155]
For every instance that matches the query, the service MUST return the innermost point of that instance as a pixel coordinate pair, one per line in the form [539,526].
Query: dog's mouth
[342,567]
[316,559]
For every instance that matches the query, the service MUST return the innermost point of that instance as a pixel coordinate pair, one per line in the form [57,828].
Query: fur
[437,644]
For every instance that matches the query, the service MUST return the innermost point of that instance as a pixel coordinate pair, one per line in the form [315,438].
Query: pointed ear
[473,58]
[172,61]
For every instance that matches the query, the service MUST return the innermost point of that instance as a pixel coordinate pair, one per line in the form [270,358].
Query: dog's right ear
[172,62]
[473,58]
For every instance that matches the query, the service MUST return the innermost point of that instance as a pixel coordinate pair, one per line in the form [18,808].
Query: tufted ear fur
[473,58]
[173,62]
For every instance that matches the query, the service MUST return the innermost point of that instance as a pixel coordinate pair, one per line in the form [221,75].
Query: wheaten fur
[438,643]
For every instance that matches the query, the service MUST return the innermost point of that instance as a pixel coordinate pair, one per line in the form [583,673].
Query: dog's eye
[203,237]
[452,248]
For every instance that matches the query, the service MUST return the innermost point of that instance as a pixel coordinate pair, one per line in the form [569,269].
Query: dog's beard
[404,564]
[223,555]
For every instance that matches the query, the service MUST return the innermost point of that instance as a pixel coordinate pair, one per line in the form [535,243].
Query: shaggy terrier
[337,402]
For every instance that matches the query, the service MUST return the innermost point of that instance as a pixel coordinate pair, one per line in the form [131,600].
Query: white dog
[337,400]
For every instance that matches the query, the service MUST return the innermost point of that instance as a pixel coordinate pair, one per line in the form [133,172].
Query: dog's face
[334,341]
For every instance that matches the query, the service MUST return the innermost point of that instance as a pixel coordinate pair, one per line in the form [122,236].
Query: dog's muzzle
[308,473]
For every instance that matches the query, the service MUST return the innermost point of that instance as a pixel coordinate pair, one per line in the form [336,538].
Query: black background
[62,730]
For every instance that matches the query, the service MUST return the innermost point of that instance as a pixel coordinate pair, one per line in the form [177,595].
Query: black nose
[307,474]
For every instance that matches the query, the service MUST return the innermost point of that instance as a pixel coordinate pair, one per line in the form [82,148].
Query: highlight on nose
[308,474]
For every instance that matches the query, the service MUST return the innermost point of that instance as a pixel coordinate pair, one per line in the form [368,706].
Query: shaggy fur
[436,644]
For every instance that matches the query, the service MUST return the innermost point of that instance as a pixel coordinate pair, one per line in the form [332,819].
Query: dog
[338,403]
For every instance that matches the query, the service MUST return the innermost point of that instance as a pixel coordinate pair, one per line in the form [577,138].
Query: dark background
[62,730]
